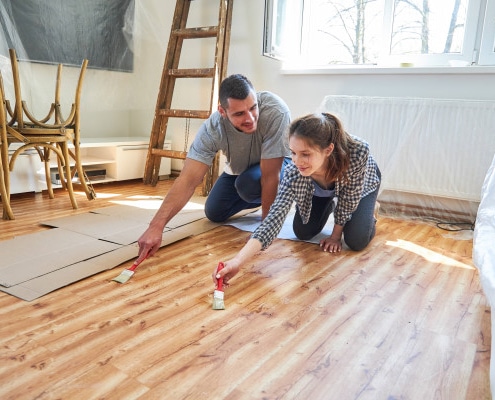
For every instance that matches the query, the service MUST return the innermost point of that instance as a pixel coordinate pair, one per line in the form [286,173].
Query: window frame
[478,45]
[487,47]
[467,54]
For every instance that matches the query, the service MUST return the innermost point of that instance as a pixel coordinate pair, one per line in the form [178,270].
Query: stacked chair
[51,135]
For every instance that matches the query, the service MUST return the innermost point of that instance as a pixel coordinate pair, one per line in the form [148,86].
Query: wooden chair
[51,134]
[4,158]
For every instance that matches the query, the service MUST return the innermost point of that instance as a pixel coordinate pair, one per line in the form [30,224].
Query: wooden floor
[404,319]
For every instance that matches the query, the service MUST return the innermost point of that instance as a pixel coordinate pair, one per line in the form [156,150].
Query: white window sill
[381,70]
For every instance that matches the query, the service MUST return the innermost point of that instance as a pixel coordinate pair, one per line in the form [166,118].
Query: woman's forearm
[250,249]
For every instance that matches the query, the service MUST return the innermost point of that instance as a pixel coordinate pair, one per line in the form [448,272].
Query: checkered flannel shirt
[363,179]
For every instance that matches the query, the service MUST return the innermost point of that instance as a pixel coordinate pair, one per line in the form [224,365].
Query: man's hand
[179,194]
[149,242]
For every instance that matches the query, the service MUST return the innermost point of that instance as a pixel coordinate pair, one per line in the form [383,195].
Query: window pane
[487,50]
[428,26]
[283,22]
[343,32]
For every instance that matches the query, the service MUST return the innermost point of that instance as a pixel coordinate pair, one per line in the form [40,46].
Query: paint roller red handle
[220,280]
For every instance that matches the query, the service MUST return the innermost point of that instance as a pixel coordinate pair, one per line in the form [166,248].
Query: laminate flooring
[404,319]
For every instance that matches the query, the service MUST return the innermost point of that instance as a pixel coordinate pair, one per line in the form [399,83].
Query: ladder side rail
[221,64]
[165,92]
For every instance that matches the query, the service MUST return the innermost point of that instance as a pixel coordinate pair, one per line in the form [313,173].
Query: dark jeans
[233,193]
[358,232]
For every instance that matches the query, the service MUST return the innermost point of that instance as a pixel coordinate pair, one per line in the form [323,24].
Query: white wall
[122,104]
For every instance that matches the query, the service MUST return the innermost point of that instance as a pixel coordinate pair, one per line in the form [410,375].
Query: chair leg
[5,192]
[48,179]
[5,181]
[68,176]
[85,183]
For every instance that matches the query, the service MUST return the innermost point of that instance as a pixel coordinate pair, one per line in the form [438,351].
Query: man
[250,128]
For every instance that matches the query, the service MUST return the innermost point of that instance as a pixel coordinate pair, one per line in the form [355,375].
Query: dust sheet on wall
[433,153]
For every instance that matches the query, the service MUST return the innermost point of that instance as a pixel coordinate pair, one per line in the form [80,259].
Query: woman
[327,163]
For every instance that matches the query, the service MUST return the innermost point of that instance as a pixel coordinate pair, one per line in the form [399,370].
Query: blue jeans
[233,193]
[358,231]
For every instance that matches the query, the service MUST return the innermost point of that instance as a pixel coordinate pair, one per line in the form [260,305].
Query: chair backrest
[18,114]
[21,110]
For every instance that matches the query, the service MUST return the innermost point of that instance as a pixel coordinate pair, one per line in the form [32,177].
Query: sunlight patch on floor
[427,254]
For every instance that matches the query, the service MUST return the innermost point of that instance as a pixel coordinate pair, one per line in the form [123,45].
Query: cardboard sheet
[86,244]
[44,284]
[111,228]
[29,256]
[144,215]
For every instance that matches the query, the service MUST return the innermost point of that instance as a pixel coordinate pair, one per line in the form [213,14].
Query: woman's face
[309,160]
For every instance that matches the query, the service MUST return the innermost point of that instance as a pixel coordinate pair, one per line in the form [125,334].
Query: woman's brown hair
[321,130]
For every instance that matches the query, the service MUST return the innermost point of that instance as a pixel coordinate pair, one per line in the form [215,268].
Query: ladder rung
[193,73]
[197,33]
[169,153]
[200,114]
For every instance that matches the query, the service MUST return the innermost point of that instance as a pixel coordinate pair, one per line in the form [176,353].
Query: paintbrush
[126,274]
[218,303]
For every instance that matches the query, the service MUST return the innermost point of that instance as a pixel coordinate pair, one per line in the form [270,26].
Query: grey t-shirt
[243,150]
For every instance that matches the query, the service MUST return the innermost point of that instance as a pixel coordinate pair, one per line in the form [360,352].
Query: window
[381,32]
[487,51]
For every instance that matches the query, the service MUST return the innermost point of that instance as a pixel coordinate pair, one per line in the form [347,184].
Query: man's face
[243,114]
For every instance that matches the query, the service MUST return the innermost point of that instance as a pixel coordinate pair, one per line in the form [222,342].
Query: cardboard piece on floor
[42,285]
[105,227]
[29,256]
[186,217]
[128,211]
[145,215]
[190,229]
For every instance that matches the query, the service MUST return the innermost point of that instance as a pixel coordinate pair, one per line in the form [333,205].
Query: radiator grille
[436,147]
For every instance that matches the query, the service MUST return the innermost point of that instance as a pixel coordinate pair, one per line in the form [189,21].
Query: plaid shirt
[362,180]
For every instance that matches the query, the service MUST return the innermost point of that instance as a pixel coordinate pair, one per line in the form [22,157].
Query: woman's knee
[359,241]
[357,245]
[304,235]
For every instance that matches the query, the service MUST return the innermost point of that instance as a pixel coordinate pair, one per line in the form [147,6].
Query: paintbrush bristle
[124,276]
[218,303]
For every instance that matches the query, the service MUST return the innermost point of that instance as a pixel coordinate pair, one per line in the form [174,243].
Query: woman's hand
[331,244]
[230,269]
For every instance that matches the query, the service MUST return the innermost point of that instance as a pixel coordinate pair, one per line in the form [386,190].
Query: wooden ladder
[171,72]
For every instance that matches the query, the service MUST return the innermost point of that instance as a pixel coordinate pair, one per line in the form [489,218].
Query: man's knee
[248,189]
[216,215]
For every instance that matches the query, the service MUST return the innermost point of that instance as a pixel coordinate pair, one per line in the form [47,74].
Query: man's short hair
[235,86]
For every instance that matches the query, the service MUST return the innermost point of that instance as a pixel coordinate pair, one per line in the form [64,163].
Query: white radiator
[424,146]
